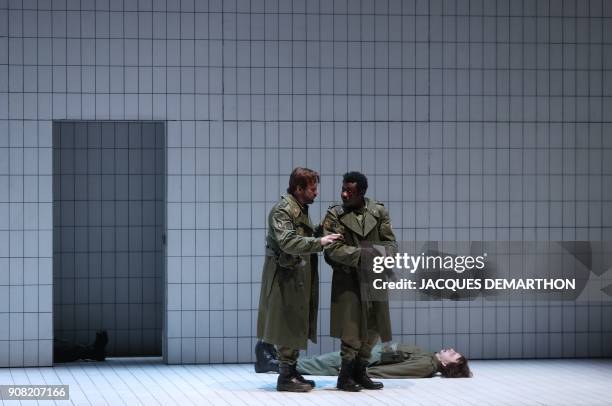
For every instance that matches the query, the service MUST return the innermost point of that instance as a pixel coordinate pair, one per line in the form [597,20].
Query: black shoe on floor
[345,377]
[266,358]
[99,346]
[301,378]
[360,375]
[288,382]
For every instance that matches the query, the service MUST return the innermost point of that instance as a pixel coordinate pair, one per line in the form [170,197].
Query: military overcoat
[349,310]
[289,297]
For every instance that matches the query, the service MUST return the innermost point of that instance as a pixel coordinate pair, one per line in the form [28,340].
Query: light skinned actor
[289,298]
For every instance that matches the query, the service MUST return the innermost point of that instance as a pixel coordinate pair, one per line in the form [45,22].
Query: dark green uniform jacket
[416,364]
[289,297]
[349,310]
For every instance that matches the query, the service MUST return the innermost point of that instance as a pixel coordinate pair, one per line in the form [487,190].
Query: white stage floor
[147,381]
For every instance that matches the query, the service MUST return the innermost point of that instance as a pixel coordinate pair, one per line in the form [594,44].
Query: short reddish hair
[458,369]
[302,177]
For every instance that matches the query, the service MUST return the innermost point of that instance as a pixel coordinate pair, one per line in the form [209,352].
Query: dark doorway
[108,224]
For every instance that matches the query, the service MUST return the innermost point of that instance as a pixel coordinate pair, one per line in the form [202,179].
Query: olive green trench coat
[289,297]
[349,310]
[415,363]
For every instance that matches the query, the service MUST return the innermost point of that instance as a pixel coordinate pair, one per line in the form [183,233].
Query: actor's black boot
[266,358]
[97,350]
[360,375]
[99,346]
[301,378]
[345,378]
[288,382]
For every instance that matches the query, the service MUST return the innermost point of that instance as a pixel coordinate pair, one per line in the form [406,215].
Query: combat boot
[99,346]
[266,358]
[345,377]
[288,382]
[360,375]
[301,378]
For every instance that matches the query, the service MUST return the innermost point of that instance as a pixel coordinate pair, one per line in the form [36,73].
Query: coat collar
[349,219]
[298,212]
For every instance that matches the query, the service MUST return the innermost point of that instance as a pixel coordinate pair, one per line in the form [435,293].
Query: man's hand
[328,239]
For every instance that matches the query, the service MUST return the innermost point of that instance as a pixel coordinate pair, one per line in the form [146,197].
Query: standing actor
[356,319]
[289,297]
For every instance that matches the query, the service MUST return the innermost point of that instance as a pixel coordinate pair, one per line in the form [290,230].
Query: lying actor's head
[453,364]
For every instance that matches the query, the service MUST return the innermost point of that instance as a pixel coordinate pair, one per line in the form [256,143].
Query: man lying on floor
[408,361]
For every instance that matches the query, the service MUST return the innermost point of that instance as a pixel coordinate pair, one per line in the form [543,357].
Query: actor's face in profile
[351,198]
[308,194]
[449,355]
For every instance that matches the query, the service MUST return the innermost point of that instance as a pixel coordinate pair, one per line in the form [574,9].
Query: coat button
[301,284]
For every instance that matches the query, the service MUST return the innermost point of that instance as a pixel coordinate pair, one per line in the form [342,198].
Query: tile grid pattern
[467,127]
[25,217]
[522,330]
[147,380]
[108,224]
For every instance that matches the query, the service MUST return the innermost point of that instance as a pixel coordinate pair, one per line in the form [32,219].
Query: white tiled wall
[108,223]
[476,119]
